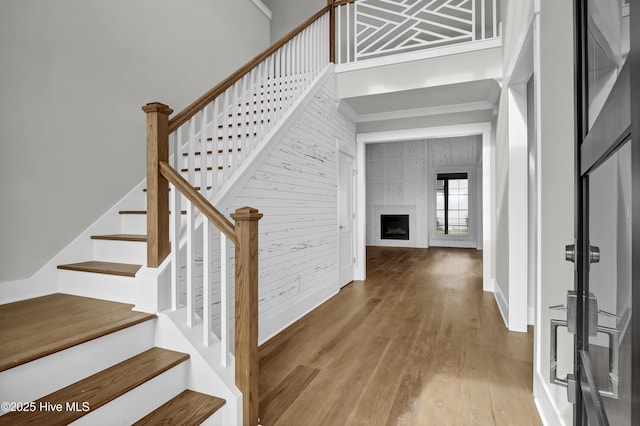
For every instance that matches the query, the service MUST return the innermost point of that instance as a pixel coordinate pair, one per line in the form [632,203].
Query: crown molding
[263,7]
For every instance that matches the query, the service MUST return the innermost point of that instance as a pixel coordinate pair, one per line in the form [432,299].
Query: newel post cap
[246,213]
[157,107]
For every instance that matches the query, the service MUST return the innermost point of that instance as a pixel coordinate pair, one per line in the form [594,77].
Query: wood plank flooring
[417,343]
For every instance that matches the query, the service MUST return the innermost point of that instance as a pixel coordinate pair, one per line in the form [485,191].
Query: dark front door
[607,215]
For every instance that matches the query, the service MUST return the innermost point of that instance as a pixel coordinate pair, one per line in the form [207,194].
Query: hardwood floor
[417,343]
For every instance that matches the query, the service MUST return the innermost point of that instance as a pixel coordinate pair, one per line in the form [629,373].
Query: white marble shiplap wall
[400,180]
[295,188]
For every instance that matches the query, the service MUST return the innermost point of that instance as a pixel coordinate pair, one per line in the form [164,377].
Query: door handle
[341,227]
[614,345]
[570,253]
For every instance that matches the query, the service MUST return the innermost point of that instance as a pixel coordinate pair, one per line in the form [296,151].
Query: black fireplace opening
[394,226]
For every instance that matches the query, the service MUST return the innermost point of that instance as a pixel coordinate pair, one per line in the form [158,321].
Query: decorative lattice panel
[386,27]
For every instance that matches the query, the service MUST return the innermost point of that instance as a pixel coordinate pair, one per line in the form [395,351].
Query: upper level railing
[368,29]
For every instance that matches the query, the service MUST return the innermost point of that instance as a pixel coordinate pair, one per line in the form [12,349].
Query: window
[452,204]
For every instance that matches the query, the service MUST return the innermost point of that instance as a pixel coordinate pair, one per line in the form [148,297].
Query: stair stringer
[206,374]
[49,279]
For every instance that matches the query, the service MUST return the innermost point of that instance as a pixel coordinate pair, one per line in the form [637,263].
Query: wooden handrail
[342,2]
[199,201]
[184,115]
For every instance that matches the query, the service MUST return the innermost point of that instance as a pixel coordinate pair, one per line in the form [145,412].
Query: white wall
[295,188]
[478,116]
[74,74]
[401,180]
[289,14]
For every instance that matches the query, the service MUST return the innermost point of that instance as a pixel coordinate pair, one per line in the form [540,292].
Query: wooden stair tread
[35,328]
[100,388]
[121,237]
[109,268]
[186,409]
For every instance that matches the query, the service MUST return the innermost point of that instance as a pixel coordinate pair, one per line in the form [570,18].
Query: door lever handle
[558,308]
[609,314]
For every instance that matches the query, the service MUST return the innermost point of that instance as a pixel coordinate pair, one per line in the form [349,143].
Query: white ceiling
[472,95]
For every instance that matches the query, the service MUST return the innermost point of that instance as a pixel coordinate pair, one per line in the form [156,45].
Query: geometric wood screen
[386,27]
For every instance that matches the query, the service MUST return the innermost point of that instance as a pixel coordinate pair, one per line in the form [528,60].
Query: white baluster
[230,119]
[244,128]
[339,33]
[174,224]
[204,135]
[268,107]
[325,40]
[495,18]
[238,103]
[473,20]
[256,93]
[261,110]
[224,302]
[216,122]
[306,51]
[300,56]
[349,33]
[286,90]
[206,283]
[190,233]
[315,45]
[483,30]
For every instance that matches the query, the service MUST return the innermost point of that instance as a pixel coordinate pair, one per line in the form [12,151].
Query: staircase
[59,366]
[89,357]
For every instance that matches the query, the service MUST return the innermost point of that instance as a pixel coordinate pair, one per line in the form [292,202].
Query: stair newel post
[246,293]
[158,246]
[332,31]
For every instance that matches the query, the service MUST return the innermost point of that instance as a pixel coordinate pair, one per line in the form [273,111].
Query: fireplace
[394,226]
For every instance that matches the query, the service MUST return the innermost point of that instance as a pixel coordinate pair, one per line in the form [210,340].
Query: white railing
[367,29]
[208,148]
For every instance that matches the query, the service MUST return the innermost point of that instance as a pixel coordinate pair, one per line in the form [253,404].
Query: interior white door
[346,218]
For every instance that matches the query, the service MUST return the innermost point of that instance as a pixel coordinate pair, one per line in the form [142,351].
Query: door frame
[354,222]
[488,191]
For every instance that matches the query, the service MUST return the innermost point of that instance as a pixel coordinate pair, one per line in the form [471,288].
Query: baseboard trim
[503,306]
[547,408]
[272,326]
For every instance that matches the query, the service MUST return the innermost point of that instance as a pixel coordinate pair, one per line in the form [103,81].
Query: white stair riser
[137,224]
[216,419]
[138,402]
[120,251]
[134,223]
[43,376]
[100,286]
